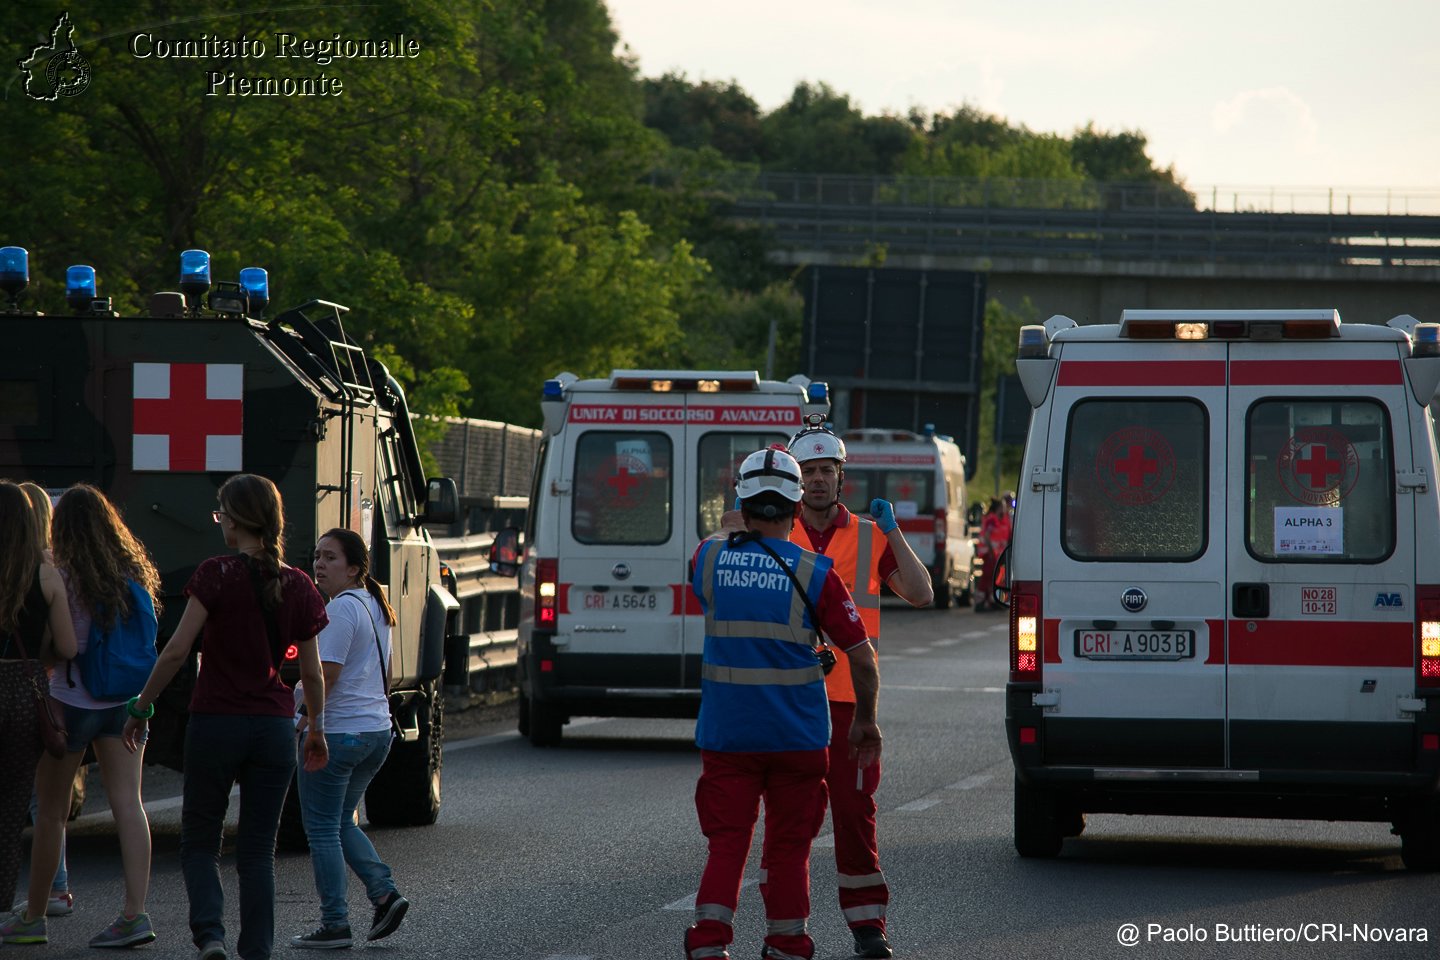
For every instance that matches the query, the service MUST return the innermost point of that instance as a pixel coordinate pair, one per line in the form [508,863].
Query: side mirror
[1001,589]
[505,553]
[442,500]
[975,514]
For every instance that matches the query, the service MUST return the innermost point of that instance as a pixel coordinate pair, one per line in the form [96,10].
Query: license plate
[1135,644]
[617,600]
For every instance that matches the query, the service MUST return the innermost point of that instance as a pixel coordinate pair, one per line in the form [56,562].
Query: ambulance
[923,475]
[634,470]
[1224,577]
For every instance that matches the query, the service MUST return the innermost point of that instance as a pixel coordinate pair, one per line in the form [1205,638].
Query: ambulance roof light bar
[668,381]
[80,286]
[256,283]
[1229,324]
[194,276]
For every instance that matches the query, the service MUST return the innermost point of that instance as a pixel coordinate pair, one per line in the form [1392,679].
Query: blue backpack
[117,662]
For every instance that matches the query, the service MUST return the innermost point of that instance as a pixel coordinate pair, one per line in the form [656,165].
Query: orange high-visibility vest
[852,548]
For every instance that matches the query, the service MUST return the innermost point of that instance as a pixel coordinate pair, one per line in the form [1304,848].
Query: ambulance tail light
[1427,636]
[942,527]
[1025,625]
[292,652]
[547,592]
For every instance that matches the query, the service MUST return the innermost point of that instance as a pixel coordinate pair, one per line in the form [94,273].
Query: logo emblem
[65,70]
[1318,466]
[1135,466]
[621,571]
[1133,599]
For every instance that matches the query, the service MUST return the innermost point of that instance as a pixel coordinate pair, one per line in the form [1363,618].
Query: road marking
[917,649]
[458,745]
[925,689]
[970,783]
[946,643]
[915,806]
[688,903]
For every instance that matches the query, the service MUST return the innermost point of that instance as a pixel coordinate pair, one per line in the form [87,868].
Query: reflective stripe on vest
[758,676]
[852,547]
[795,631]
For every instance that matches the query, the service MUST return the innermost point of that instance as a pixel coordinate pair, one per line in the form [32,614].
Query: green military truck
[159,409]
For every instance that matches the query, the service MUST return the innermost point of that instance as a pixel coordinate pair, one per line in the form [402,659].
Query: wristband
[145,714]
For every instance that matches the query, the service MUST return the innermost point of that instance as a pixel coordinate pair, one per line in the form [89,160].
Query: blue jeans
[259,754]
[328,798]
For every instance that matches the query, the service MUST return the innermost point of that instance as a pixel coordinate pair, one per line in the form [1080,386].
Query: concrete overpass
[1091,250]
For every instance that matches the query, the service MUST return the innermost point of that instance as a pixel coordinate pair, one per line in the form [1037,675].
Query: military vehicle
[158,410]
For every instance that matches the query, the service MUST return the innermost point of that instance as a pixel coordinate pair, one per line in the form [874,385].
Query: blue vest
[761,687]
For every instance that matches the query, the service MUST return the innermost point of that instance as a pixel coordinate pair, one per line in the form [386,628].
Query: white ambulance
[1225,573]
[923,476]
[634,470]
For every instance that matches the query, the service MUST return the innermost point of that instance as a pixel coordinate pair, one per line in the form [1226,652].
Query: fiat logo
[621,571]
[1134,599]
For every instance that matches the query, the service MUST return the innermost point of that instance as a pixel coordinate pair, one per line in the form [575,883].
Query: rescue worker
[764,729]
[994,538]
[864,561]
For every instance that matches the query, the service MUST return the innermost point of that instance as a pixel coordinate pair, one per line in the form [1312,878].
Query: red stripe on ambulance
[1151,373]
[1321,644]
[1331,373]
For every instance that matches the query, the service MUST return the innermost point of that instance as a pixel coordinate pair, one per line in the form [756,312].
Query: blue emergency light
[256,282]
[818,392]
[194,274]
[80,286]
[14,270]
[554,390]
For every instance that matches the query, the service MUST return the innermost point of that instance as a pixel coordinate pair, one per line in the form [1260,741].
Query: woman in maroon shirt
[246,609]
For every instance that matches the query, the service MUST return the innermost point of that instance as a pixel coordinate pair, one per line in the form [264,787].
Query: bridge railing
[1068,220]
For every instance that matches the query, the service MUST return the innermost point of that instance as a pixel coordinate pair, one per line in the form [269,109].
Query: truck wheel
[546,723]
[1420,839]
[406,791]
[1037,828]
[291,837]
[522,715]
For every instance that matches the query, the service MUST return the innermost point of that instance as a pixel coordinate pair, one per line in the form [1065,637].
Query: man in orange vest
[866,554]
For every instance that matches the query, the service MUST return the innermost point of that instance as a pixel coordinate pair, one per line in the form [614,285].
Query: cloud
[1269,117]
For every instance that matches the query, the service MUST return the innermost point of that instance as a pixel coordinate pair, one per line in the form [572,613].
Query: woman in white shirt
[355,657]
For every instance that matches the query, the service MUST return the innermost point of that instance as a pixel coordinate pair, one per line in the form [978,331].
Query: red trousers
[727,798]
[863,893]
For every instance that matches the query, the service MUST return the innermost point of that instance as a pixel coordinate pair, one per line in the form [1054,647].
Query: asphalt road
[590,851]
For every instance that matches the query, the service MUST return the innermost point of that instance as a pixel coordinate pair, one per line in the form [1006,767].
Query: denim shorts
[83,725]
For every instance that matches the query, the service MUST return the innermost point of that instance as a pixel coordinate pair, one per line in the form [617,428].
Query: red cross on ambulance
[187,417]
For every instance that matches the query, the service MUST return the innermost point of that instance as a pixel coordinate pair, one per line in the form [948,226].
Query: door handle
[1250,601]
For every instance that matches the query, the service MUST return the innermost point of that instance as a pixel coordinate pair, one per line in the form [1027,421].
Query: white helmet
[817,443]
[772,471]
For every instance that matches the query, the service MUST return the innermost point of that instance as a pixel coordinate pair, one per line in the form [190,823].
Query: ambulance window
[387,486]
[1135,481]
[720,456]
[909,491]
[1320,481]
[536,479]
[623,488]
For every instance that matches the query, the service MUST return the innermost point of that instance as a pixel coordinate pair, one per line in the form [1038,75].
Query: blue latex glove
[884,515]
[737,503]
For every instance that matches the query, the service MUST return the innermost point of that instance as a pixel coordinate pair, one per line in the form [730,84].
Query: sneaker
[388,914]
[60,904]
[16,929]
[870,942]
[214,950]
[125,932]
[324,938]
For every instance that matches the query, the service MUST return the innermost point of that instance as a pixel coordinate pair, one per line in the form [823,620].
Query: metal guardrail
[489,615]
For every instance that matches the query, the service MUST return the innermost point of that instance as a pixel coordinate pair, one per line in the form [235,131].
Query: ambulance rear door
[621,542]
[1321,570]
[1132,595]
[722,429]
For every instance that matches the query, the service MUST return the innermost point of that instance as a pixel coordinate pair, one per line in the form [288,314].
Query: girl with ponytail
[355,659]
[246,609]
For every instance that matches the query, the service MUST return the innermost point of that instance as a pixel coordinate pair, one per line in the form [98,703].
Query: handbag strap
[272,627]
[379,653]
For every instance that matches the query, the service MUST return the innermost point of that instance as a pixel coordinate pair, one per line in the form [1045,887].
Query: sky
[1249,96]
